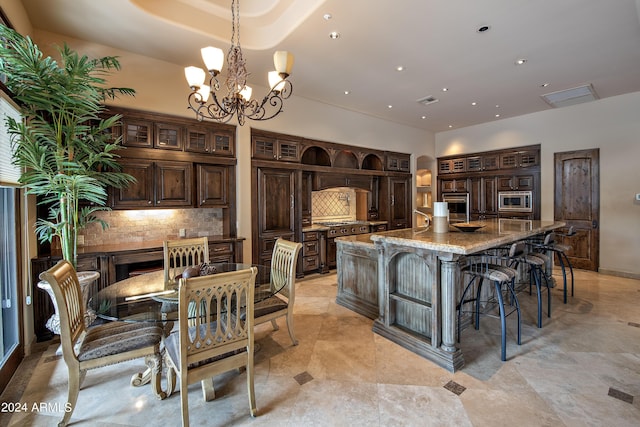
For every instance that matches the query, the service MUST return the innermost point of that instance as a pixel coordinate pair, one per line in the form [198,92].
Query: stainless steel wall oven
[458,204]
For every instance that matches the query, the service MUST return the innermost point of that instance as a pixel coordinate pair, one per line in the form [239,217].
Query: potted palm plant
[64,143]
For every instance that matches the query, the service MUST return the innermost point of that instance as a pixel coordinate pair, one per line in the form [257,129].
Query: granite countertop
[320,227]
[494,233]
[146,245]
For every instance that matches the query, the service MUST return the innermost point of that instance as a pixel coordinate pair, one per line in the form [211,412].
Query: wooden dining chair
[100,345]
[214,340]
[283,276]
[182,253]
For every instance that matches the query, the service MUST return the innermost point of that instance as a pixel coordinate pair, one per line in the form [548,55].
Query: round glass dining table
[147,298]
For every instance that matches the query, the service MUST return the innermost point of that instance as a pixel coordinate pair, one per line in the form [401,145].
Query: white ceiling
[567,43]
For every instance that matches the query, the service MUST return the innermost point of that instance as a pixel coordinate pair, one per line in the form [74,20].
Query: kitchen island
[411,278]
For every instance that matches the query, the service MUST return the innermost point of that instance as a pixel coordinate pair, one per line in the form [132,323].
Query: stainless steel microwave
[515,201]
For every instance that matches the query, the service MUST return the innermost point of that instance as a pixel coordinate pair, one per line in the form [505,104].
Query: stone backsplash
[334,204]
[152,225]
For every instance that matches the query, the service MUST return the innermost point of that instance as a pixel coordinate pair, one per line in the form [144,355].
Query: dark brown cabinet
[275,148]
[168,136]
[516,182]
[141,193]
[173,184]
[323,181]
[212,185]
[159,184]
[137,132]
[519,159]
[310,251]
[452,165]
[483,196]
[483,163]
[399,202]
[212,141]
[276,189]
[305,198]
[486,174]
[398,162]
[454,185]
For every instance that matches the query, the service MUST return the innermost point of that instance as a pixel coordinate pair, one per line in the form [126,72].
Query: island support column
[449,275]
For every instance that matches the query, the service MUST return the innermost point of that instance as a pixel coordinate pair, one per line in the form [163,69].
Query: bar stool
[483,267]
[549,244]
[536,262]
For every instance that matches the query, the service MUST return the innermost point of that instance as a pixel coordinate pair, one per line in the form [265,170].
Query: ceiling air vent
[577,95]
[427,100]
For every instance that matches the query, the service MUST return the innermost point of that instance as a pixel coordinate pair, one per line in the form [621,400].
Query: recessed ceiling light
[450,126]
[497,106]
[399,68]
[334,35]
[389,106]
[444,89]
[544,85]
[347,92]
[497,115]
[520,61]
[327,16]
[483,28]
[474,103]
[423,117]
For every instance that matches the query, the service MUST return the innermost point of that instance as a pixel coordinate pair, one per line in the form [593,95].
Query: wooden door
[577,202]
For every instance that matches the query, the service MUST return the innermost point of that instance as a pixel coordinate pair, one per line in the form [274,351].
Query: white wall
[160,87]
[610,124]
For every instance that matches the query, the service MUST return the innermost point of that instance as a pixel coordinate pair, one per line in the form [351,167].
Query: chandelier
[238,97]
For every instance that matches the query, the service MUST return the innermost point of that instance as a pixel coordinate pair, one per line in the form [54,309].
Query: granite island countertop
[493,233]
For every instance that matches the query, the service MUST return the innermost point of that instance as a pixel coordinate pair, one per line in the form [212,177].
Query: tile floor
[582,368]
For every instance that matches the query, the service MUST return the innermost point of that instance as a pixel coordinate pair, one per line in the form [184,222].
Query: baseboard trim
[624,274]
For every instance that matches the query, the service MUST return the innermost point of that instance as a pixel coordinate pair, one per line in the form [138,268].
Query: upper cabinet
[519,159]
[177,162]
[398,162]
[137,132]
[140,129]
[168,136]
[269,147]
[164,184]
[212,141]
[452,165]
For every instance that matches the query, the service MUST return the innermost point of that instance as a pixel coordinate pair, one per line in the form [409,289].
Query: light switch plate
[638,197]
[183,232]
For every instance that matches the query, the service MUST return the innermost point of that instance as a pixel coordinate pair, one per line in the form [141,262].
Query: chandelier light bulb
[195,76]
[204,92]
[275,81]
[246,92]
[283,61]
[213,58]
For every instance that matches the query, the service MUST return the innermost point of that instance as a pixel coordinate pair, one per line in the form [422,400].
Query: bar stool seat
[484,267]
[536,262]
[550,245]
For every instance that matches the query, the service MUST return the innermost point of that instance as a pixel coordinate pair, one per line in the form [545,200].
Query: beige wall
[609,124]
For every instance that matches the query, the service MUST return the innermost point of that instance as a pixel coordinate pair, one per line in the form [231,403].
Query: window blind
[9,173]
